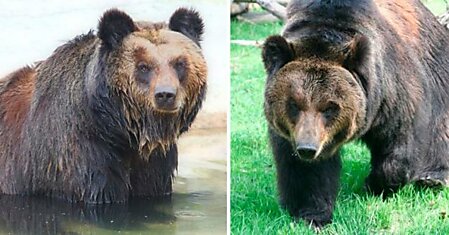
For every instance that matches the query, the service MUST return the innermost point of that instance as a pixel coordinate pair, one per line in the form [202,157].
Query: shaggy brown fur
[99,119]
[314,104]
[344,69]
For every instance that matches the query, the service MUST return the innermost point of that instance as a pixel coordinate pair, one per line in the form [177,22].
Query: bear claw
[432,180]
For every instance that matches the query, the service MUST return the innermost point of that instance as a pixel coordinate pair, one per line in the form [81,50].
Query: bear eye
[331,111]
[143,68]
[282,128]
[180,66]
[292,109]
[143,73]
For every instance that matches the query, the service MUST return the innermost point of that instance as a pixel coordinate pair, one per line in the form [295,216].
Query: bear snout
[307,150]
[165,98]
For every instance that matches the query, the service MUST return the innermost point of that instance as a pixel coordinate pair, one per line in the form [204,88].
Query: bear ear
[114,26]
[276,52]
[357,59]
[358,53]
[187,22]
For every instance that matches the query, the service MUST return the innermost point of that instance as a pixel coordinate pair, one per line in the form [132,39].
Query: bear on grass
[98,121]
[377,70]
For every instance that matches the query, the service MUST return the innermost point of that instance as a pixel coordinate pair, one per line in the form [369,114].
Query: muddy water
[198,205]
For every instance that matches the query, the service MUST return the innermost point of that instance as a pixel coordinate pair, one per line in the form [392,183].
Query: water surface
[198,205]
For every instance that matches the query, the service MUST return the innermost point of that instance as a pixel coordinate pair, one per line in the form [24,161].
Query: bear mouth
[167,107]
[299,156]
[323,152]
[171,110]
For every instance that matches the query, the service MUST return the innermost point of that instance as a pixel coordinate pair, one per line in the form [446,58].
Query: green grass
[254,204]
[438,7]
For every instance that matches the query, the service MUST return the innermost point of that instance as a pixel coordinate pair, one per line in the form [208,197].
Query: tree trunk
[273,6]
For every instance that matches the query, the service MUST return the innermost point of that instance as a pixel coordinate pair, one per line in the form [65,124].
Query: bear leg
[434,168]
[388,174]
[307,190]
[154,177]
[106,188]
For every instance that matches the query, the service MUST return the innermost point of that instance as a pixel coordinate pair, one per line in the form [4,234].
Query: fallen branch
[274,8]
[444,19]
[271,6]
[253,43]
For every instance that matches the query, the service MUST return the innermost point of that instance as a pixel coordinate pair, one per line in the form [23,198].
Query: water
[198,205]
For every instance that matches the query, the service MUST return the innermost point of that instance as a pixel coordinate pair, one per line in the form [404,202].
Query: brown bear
[376,70]
[98,121]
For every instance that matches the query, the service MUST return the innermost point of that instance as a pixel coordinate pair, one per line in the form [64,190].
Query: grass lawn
[254,204]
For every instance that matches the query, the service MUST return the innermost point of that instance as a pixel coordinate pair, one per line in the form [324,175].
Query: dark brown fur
[396,54]
[18,90]
[83,125]
[315,103]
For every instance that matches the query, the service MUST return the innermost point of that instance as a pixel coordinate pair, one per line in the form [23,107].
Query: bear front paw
[314,219]
[317,223]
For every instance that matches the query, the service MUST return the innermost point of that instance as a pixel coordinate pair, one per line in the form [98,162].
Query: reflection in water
[198,205]
[193,213]
[32,215]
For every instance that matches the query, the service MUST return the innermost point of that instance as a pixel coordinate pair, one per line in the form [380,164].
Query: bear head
[153,73]
[316,105]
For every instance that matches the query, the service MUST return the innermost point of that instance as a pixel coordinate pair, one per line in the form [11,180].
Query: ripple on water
[189,214]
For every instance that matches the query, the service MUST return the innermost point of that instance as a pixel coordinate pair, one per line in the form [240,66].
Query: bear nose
[165,97]
[306,151]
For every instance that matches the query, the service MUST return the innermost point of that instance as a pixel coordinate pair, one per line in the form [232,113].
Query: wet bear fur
[98,121]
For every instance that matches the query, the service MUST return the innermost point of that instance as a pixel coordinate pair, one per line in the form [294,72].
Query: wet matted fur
[98,121]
